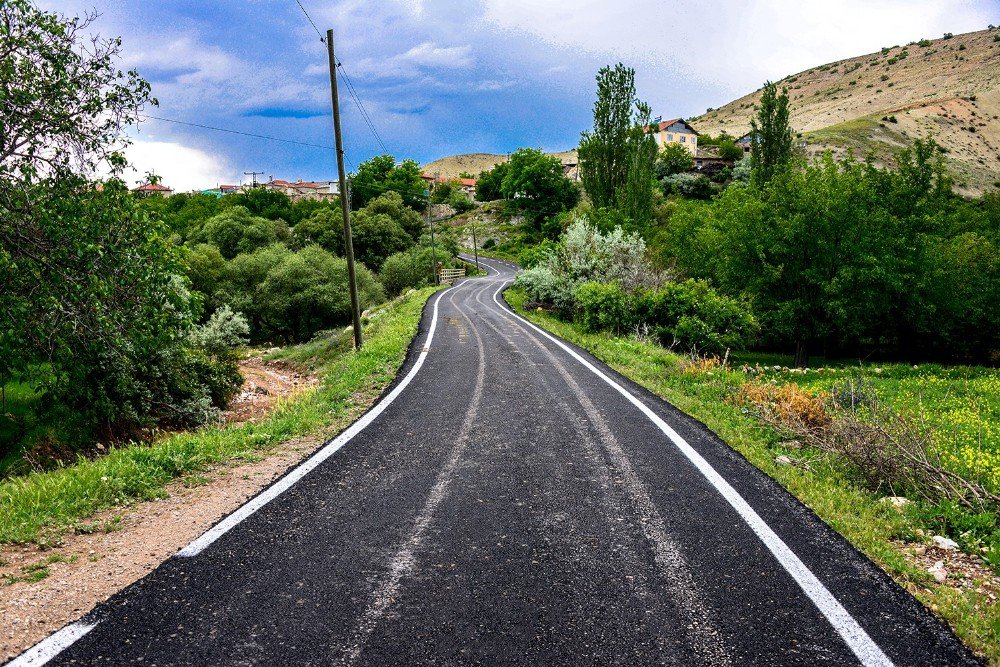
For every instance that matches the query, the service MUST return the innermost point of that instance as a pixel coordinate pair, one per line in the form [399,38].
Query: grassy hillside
[945,87]
[474,163]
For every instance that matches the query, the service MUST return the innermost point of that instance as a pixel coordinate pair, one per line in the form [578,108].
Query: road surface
[512,501]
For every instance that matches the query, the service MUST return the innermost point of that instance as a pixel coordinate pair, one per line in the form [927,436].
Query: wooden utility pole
[475,243]
[434,259]
[344,204]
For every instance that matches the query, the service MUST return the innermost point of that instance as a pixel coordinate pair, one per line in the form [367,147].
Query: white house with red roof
[305,189]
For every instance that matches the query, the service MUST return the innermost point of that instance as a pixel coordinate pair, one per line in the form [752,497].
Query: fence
[449,276]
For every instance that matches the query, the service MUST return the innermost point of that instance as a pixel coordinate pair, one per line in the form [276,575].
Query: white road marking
[405,560]
[866,650]
[282,485]
[51,646]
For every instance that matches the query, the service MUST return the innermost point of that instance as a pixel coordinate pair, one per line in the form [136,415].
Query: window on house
[684,139]
[670,137]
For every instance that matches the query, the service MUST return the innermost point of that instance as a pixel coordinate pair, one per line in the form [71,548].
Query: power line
[309,18]
[245,134]
[350,86]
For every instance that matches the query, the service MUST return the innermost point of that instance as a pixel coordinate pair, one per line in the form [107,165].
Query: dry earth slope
[473,163]
[948,88]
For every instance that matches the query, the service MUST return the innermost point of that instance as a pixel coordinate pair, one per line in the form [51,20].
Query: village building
[152,190]
[675,131]
[299,190]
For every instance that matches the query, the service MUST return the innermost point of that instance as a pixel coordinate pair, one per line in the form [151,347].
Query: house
[466,185]
[675,131]
[708,162]
[745,142]
[318,190]
[571,169]
[152,190]
[223,190]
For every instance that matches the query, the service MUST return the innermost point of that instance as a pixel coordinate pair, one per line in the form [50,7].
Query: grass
[41,506]
[826,486]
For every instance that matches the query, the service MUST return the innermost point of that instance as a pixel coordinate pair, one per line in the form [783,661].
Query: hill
[948,88]
[474,163]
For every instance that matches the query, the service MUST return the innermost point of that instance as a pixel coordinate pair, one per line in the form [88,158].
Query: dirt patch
[960,570]
[43,589]
[265,384]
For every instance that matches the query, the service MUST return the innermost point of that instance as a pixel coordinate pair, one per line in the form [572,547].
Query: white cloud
[737,44]
[181,167]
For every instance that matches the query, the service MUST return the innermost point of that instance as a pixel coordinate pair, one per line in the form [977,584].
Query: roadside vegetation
[834,321]
[125,318]
[41,506]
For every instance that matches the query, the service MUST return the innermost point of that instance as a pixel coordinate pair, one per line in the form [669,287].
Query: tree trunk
[801,354]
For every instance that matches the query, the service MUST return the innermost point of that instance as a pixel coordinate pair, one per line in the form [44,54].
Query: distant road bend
[513,501]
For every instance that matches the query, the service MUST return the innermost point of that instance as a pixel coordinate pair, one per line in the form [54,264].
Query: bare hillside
[473,163]
[948,88]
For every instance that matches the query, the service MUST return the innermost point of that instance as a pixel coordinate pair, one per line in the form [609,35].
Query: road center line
[405,559]
[860,643]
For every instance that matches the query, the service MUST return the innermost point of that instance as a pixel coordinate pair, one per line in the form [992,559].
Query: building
[223,190]
[466,185]
[744,142]
[152,190]
[318,190]
[675,131]
[708,162]
[571,168]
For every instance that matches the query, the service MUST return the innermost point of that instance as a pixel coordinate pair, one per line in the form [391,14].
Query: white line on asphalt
[282,485]
[51,646]
[867,651]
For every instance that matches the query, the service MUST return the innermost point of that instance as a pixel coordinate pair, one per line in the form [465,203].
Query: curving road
[513,501]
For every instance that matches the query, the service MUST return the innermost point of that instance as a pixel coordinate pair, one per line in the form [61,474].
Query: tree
[770,135]
[236,231]
[489,187]
[728,150]
[92,290]
[381,174]
[673,159]
[536,186]
[392,205]
[617,157]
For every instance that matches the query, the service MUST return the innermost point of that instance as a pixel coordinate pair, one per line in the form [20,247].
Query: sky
[442,77]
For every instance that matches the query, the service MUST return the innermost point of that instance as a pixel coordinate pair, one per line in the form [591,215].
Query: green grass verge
[39,507]
[826,487]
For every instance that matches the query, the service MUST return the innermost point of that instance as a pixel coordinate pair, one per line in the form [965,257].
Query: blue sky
[461,76]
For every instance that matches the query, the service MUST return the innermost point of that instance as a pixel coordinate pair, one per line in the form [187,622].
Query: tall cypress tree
[770,136]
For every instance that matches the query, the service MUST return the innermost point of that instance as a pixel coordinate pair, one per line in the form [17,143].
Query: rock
[784,460]
[939,573]
[790,444]
[919,551]
[260,390]
[944,543]
[899,502]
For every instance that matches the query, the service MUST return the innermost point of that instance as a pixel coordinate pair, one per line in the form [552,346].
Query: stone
[938,572]
[784,460]
[899,502]
[944,543]
[790,444]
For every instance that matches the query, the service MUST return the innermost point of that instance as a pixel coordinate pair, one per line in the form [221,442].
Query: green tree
[393,205]
[617,158]
[489,187]
[673,159]
[381,174]
[261,202]
[324,228]
[770,135]
[236,231]
[728,150]
[536,186]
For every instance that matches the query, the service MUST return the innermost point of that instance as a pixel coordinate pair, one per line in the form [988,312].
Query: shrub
[236,231]
[323,228]
[694,316]
[307,291]
[404,270]
[605,307]
[695,186]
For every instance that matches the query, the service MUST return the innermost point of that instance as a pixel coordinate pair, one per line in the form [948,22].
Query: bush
[236,231]
[696,317]
[605,307]
[404,270]
[673,159]
[307,291]
[323,228]
[695,186]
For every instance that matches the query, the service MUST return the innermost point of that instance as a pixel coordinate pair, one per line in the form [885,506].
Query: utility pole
[434,259]
[253,174]
[475,243]
[344,205]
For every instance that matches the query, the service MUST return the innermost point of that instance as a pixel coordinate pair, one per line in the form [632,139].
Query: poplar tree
[770,136]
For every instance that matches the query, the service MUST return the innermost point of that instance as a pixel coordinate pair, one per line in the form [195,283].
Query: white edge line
[51,646]
[863,646]
[283,484]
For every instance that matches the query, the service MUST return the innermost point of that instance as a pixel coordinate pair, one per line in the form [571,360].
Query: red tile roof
[152,187]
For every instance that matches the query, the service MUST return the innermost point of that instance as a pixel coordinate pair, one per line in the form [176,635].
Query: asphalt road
[513,501]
